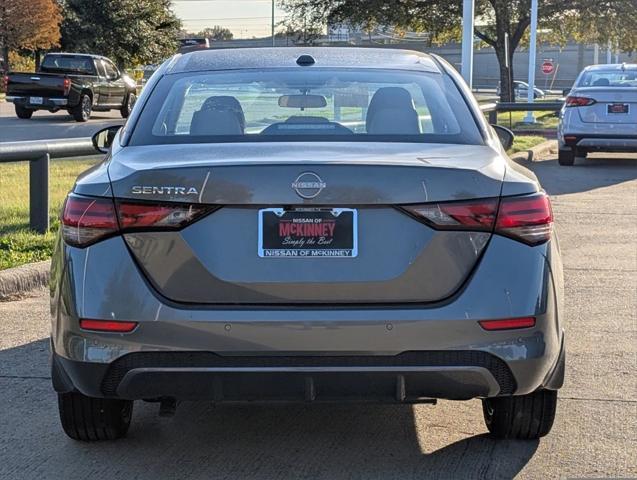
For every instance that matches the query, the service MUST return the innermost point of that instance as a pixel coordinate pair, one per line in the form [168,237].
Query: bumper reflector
[508,323]
[107,325]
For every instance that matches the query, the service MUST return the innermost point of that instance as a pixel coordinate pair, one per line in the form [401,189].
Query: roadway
[594,435]
[45,125]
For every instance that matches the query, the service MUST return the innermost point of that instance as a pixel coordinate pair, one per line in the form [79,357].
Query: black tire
[566,158]
[82,111]
[24,113]
[129,103]
[579,153]
[523,417]
[91,419]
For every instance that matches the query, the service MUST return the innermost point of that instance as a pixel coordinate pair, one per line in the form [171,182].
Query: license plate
[36,100]
[308,233]
[618,108]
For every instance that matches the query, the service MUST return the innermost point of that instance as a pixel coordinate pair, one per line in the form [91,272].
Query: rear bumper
[605,143]
[47,103]
[432,350]
[411,377]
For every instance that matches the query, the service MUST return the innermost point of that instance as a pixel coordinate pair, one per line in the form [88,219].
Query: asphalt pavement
[46,125]
[595,433]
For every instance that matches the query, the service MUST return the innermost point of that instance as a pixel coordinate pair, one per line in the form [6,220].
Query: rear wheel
[129,103]
[22,112]
[566,157]
[523,417]
[82,112]
[91,419]
[579,153]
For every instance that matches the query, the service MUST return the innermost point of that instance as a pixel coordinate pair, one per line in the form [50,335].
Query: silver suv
[600,113]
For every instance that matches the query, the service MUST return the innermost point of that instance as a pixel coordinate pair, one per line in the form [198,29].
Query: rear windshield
[78,65]
[611,78]
[310,104]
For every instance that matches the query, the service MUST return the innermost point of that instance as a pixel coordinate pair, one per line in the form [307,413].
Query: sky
[245,18]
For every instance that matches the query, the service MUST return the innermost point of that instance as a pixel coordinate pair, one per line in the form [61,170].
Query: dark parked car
[78,83]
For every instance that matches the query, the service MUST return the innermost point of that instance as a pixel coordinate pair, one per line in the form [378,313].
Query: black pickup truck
[75,82]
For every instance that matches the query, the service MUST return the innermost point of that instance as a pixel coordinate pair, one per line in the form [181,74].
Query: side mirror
[103,139]
[505,135]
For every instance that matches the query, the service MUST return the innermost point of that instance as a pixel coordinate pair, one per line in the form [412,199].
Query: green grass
[18,244]
[515,120]
[524,142]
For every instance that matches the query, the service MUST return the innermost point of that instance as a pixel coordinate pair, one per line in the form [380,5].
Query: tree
[31,25]
[216,33]
[600,22]
[130,32]
[497,20]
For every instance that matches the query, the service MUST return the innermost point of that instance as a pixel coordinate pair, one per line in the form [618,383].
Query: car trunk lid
[613,105]
[218,259]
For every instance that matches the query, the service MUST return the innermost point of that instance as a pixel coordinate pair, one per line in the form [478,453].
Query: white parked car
[599,113]
[521,90]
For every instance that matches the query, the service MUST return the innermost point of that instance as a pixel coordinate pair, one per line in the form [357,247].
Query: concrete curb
[18,281]
[533,153]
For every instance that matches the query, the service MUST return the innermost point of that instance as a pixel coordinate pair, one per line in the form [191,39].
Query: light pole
[273,23]
[467,41]
[532,54]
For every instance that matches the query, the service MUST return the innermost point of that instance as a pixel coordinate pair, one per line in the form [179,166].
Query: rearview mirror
[302,101]
[505,135]
[103,139]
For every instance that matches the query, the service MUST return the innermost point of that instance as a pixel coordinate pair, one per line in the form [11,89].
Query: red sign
[547,67]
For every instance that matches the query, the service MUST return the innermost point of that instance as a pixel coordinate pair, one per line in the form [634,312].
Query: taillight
[573,101]
[507,323]
[527,218]
[86,220]
[114,326]
[473,215]
[133,216]
[67,86]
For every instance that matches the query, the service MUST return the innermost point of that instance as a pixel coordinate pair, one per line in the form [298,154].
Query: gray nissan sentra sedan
[306,225]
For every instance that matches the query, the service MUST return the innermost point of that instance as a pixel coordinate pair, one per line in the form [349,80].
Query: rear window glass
[68,63]
[611,78]
[316,105]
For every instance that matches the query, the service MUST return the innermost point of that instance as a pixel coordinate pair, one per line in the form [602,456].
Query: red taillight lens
[473,215]
[508,323]
[572,101]
[86,220]
[528,218]
[107,325]
[67,86]
[162,216]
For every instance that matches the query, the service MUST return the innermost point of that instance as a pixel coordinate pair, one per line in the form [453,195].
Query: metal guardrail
[494,108]
[39,153]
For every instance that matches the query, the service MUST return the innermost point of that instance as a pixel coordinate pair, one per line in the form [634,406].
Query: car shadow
[589,174]
[204,440]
